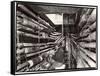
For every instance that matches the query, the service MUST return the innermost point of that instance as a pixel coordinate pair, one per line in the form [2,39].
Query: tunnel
[55,37]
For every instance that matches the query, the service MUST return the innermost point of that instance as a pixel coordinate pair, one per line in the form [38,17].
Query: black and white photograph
[54,37]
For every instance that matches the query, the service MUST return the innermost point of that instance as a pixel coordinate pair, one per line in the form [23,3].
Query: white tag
[31,63]
[40,58]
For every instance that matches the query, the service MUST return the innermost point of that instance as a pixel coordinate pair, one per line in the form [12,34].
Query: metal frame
[13,35]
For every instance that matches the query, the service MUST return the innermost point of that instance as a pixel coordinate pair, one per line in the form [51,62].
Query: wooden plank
[92,17]
[91,45]
[89,29]
[90,37]
[26,22]
[89,54]
[25,9]
[30,19]
[29,63]
[87,60]
[21,66]
[81,63]
[32,54]
[84,18]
